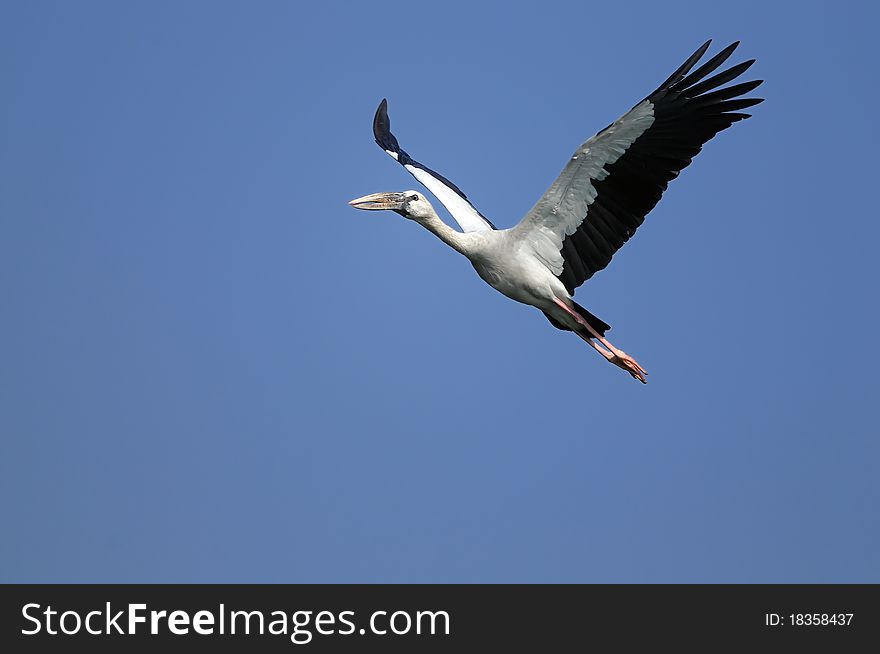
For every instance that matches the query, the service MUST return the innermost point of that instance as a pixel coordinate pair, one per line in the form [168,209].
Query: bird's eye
[414,198]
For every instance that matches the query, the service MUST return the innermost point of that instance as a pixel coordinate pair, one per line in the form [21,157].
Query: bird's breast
[525,281]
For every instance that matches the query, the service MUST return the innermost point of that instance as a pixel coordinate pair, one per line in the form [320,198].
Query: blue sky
[214,370]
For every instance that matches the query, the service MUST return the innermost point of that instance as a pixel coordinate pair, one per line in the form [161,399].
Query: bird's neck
[454,239]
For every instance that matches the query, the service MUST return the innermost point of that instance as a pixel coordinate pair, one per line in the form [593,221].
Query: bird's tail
[596,323]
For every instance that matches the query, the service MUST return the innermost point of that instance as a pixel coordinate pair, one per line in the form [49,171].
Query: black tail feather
[596,323]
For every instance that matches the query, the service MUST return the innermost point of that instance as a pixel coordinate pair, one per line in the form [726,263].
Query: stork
[595,205]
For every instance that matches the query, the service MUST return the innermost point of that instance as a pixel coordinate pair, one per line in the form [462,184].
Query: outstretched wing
[614,179]
[456,202]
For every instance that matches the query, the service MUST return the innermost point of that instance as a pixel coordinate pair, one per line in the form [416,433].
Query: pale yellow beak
[380,201]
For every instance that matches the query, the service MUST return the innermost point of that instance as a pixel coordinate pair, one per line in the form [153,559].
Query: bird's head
[409,204]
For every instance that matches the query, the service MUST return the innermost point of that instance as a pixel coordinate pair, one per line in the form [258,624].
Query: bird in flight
[595,205]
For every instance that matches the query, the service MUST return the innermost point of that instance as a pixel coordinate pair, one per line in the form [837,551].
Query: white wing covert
[615,178]
[452,197]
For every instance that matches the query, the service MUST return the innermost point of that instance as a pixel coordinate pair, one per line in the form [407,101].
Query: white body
[502,258]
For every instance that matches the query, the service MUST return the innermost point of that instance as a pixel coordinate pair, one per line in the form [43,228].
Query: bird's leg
[621,360]
[618,357]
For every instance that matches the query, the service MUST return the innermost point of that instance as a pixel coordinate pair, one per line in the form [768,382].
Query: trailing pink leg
[618,357]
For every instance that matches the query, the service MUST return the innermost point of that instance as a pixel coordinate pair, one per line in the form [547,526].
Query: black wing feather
[686,116]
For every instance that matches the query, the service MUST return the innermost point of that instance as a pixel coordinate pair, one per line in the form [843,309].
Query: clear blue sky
[213,369]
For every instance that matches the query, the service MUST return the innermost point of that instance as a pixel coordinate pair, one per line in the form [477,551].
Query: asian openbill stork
[595,205]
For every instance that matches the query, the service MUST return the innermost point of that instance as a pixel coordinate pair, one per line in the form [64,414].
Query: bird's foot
[622,360]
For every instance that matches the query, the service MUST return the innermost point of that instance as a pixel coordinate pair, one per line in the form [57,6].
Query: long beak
[380,201]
